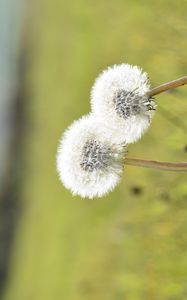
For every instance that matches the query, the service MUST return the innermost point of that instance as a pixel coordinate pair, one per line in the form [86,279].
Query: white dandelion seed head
[119,98]
[88,163]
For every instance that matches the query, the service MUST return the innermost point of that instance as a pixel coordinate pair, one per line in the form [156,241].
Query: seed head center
[127,103]
[95,156]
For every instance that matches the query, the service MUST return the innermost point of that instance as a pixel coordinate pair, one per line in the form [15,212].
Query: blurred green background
[131,244]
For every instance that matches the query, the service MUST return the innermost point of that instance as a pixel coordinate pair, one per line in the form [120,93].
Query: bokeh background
[131,244]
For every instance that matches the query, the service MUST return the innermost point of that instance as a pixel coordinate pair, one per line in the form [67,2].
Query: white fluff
[88,163]
[119,98]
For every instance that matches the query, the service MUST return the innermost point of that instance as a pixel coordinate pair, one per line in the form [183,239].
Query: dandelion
[88,163]
[119,97]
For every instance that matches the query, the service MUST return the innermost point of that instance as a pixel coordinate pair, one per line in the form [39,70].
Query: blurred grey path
[11,100]
[10,34]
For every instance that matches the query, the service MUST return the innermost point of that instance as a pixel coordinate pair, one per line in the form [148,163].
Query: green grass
[123,246]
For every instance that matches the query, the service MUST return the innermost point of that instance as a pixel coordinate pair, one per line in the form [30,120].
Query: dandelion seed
[119,98]
[89,164]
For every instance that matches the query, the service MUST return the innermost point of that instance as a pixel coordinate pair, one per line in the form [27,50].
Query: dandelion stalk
[168,86]
[165,166]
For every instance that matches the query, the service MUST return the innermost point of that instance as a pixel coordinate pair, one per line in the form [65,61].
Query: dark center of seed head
[95,156]
[127,103]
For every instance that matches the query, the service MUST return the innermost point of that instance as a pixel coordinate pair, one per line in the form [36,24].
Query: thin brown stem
[168,86]
[165,166]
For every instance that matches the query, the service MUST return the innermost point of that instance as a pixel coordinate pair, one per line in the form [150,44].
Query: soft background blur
[131,244]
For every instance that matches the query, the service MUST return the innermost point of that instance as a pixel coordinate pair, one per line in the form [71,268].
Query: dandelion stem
[168,86]
[165,166]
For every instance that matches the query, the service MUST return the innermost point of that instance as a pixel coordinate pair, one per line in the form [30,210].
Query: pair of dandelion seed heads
[90,158]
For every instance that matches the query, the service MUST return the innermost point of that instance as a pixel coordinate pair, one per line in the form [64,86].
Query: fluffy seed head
[89,164]
[119,98]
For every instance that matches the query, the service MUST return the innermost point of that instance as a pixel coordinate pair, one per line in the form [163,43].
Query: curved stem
[168,86]
[165,166]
